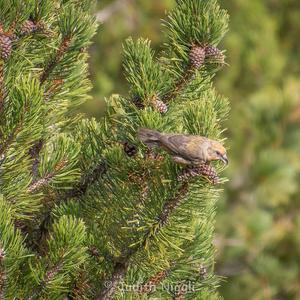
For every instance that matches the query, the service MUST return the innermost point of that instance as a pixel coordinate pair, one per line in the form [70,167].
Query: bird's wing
[187,146]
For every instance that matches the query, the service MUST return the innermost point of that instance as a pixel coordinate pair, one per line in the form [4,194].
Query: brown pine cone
[93,250]
[5,46]
[160,106]
[197,56]
[202,271]
[202,170]
[152,282]
[214,55]
[137,101]
[129,149]
[28,27]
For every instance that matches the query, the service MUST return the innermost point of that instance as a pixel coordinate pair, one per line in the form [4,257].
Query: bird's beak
[224,159]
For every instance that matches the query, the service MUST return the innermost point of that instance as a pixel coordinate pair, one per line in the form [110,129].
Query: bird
[185,149]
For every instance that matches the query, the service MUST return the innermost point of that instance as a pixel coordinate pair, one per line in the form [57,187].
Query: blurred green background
[258,225]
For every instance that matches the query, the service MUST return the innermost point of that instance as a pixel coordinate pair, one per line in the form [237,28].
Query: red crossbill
[185,148]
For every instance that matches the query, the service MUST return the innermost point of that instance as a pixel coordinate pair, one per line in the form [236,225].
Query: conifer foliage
[87,211]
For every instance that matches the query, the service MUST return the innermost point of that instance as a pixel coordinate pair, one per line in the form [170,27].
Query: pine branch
[86,181]
[63,47]
[47,278]
[121,267]
[80,287]
[78,191]
[180,84]
[110,285]
[45,179]
[14,133]
[173,203]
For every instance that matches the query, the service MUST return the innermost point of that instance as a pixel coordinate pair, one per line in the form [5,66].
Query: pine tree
[88,212]
[43,79]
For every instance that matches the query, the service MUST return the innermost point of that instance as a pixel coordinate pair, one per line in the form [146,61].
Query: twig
[34,152]
[56,59]
[111,284]
[45,180]
[48,276]
[179,85]
[173,203]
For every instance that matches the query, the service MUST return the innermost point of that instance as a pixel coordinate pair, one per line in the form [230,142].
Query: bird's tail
[149,137]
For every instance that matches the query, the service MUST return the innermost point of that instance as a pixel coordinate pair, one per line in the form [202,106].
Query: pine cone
[214,55]
[5,46]
[160,106]
[202,271]
[197,56]
[152,282]
[129,149]
[37,184]
[202,170]
[93,250]
[28,27]
[137,101]
[209,172]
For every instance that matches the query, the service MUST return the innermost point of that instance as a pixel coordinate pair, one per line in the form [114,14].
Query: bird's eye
[218,153]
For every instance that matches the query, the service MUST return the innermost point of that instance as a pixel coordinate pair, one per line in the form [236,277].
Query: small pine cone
[37,184]
[203,271]
[41,27]
[19,224]
[204,170]
[197,56]
[60,165]
[36,148]
[187,173]
[51,273]
[160,106]
[5,46]
[93,250]
[152,282]
[137,101]
[151,154]
[129,149]
[209,172]
[28,27]
[214,55]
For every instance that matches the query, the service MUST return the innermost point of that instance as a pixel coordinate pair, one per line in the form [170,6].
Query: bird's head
[216,151]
